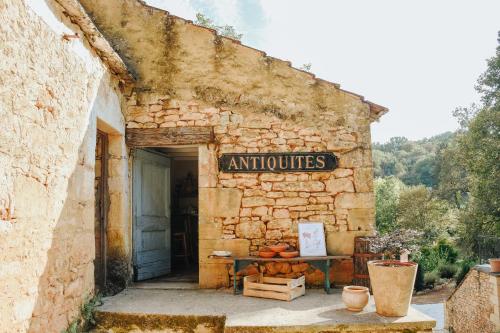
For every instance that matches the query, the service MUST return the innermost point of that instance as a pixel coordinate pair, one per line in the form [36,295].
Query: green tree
[223,30]
[451,174]
[387,191]
[417,209]
[479,146]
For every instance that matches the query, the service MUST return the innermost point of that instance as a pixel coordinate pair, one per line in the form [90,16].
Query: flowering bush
[392,244]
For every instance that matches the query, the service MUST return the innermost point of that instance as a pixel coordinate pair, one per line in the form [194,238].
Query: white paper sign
[312,239]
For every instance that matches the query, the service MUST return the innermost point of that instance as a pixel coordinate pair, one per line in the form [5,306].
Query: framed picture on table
[312,239]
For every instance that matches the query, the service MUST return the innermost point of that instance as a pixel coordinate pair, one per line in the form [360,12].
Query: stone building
[115,117]
[474,306]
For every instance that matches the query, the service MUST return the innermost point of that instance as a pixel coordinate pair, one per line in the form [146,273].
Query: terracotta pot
[289,254]
[495,265]
[392,284]
[355,298]
[279,248]
[266,254]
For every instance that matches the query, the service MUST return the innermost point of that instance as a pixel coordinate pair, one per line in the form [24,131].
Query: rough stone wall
[189,76]
[242,212]
[48,89]
[171,56]
[474,307]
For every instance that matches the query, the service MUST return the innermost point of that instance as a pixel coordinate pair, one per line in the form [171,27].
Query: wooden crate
[273,287]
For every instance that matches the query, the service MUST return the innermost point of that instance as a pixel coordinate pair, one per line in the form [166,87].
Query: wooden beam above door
[168,136]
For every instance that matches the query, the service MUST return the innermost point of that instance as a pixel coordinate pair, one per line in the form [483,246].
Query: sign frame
[329,161]
[312,241]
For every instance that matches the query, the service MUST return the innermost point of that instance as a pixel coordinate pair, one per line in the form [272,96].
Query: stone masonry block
[220,202]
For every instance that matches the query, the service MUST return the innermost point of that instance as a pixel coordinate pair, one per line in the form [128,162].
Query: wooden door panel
[151,196]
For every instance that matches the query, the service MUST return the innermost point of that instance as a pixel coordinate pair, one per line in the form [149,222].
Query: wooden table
[322,263]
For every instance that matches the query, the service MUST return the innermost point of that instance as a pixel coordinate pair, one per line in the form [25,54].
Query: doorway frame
[203,137]
[104,203]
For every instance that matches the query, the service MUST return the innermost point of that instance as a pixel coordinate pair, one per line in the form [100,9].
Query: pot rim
[393,263]
[356,289]
[494,259]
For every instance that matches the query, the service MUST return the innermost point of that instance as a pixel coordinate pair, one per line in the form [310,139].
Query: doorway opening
[165,195]
[101,210]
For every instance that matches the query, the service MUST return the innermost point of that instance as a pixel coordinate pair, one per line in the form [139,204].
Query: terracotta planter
[495,265]
[392,284]
[355,298]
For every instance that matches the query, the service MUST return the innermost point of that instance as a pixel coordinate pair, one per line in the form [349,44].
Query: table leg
[327,276]
[235,283]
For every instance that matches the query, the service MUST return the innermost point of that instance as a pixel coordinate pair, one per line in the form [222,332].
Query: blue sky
[420,58]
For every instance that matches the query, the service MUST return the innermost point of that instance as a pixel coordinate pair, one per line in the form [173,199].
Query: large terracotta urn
[495,265]
[392,285]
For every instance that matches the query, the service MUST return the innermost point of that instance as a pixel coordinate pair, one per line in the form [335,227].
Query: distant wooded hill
[413,162]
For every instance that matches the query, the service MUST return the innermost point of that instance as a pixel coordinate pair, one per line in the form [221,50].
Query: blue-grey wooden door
[151,211]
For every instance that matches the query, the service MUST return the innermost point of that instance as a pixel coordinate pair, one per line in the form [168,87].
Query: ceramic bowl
[289,254]
[266,254]
[221,253]
[279,247]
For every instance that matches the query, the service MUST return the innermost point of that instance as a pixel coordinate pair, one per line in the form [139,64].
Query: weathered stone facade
[52,92]
[475,304]
[62,81]
[257,209]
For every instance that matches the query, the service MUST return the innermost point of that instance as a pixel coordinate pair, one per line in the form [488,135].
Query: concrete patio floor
[316,311]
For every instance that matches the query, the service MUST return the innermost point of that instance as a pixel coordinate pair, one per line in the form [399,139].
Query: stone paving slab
[314,311]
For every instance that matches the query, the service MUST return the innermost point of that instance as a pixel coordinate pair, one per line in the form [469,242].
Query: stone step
[114,322]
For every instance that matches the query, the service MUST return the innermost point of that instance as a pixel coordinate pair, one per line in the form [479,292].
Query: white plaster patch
[42,9]
[107,107]
[23,309]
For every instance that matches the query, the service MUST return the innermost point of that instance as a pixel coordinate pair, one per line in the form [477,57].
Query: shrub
[419,280]
[432,257]
[428,259]
[464,268]
[430,279]
[447,271]
[446,251]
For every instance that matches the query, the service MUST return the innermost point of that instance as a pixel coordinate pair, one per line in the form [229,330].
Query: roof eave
[77,15]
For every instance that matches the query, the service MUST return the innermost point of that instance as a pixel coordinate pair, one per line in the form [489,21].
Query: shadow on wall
[68,276]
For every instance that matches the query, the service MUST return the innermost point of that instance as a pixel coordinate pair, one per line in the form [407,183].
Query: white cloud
[226,12]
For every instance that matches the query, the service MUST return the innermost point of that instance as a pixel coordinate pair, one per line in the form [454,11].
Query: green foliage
[430,257]
[447,271]
[446,251]
[431,278]
[223,30]
[411,207]
[387,191]
[451,173]
[419,210]
[447,186]
[419,279]
[478,143]
[464,268]
[489,82]
[306,67]
[411,161]
[86,319]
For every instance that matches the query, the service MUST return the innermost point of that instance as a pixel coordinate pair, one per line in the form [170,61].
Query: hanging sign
[277,162]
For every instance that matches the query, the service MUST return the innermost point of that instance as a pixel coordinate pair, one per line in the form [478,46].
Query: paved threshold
[314,312]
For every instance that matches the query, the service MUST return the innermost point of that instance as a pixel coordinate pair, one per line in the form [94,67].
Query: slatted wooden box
[273,287]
